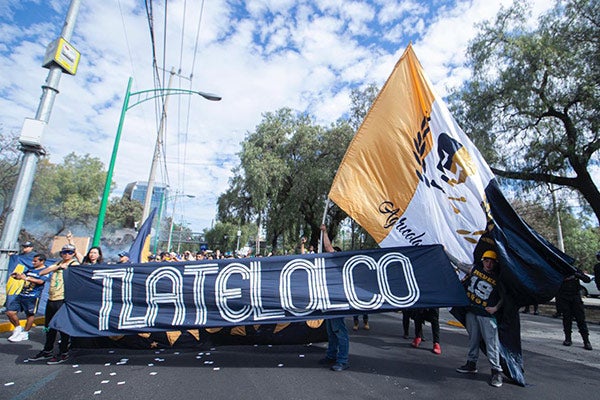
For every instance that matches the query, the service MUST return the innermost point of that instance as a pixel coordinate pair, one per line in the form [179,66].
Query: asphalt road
[383,366]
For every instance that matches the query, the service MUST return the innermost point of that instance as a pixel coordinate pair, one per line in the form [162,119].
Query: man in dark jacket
[570,305]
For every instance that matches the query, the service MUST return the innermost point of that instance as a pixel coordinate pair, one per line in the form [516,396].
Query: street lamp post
[175,197]
[142,96]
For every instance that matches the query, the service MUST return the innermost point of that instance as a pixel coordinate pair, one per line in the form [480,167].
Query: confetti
[111,352]
[153,373]
[208,354]
[280,365]
[200,354]
[124,359]
[198,357]
[112,373]
[98,373]
[301,355]
[176,353]
[98,392]
[75,365]
[107,365]
[151,365]
[212,349]
[9,383]
[78,371]
[121,383]
[216,369]
[105,381]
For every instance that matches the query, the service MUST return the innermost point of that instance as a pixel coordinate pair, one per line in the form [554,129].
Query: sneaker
[355,327]
[469,368]
[326,361]
[416,342]
[436,348]
[367,327]
[496,379]
[16,332]
[339,367]
[42,355]
[20,336]
[58,359]
[587,345]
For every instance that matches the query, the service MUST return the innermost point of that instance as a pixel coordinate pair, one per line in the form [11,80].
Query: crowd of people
[480,285]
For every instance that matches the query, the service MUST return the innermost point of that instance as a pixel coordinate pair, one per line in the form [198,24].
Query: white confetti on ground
[280,365]
[78,371]
[98,373]
[216,368]
[301,355]
[121,383]
[98,392]
[105,381]
[176,353]
[75,365]
[198,357]
[9,383]
[151,365]
[112,373]
[153,373]
[111,352]
[208,354]
[200,354]
[107,365]
[213,348]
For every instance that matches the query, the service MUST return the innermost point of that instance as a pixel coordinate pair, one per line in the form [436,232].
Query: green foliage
[223,236]
[68,194]
[123,213]
[531,106]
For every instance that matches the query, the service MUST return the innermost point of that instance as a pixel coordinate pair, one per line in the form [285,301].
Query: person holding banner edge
[338,345]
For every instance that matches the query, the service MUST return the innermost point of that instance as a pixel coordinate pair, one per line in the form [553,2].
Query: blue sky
[259,55]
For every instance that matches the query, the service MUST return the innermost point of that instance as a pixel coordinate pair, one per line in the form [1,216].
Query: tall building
[137,191]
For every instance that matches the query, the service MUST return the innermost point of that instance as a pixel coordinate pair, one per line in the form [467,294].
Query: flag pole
[322,222]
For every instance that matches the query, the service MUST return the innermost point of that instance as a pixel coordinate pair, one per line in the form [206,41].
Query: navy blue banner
[113,300]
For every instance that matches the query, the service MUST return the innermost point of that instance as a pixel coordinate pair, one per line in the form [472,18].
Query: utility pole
[157,147]
[64,57]
[559,233]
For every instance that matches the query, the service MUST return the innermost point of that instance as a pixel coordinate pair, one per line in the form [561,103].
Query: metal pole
[158,145]
[16,212]
[559,234]
[171,225]
[111,168]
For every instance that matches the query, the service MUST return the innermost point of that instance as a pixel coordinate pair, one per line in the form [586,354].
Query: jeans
[486,328]
[339,342]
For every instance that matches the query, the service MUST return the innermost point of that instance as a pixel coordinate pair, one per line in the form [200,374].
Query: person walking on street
[56,297]
[484,303]
[338,345]
[29,298]
[570,305]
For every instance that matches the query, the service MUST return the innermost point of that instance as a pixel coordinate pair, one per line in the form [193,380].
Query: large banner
[412,177]
[123,299]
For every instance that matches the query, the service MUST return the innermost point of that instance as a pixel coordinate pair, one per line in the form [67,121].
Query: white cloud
[308,55]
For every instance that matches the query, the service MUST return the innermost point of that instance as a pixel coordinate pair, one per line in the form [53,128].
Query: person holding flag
[484,303]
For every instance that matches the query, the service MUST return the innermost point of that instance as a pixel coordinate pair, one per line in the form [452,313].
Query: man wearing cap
[484,302]
[56,297]
[26,248]
[123,258]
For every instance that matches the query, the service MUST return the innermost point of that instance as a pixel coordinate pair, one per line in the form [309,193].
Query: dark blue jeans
[339,342]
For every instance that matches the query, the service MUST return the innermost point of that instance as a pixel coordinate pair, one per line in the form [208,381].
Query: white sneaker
[16,332]
[20,337]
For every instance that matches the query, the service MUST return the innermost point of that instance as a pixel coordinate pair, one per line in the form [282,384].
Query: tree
[123,212]
[531,106]
[68,194]
[285,172]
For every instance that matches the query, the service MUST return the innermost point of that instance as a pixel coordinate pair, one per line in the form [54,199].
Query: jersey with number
[31,289]
[481,290]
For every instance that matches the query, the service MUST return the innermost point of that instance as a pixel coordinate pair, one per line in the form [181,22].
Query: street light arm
[150,94]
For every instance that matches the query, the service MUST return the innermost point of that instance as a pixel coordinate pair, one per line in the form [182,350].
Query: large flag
[412,177]
[140,248]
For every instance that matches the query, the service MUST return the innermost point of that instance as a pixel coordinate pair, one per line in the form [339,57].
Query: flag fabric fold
[412,177]
[140,248]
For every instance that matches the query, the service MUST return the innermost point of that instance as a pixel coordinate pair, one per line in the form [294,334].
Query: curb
[6,326]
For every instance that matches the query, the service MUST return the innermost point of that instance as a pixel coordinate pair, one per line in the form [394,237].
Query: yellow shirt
[56,291]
